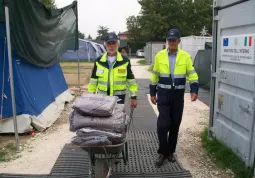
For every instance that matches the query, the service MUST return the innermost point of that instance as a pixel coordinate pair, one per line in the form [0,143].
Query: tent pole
[11,77]
[79,82]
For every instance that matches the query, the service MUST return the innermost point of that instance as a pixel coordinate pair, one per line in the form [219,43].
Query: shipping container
[232,100]
[192,44]
[151,49]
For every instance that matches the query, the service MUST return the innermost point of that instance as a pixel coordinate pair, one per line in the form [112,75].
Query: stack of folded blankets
[98,121]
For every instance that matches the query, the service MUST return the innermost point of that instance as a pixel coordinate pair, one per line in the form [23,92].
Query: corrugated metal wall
[151,49]
[232,99]
[192,44]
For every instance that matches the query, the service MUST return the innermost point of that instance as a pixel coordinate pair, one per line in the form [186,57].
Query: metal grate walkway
[142,150]
[142,153]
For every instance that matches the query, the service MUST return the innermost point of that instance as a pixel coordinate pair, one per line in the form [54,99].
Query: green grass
[2,156]
[150,68]
[224,157]
[11,146]
[143,62]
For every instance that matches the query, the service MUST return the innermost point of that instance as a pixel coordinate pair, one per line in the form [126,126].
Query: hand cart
[103,157]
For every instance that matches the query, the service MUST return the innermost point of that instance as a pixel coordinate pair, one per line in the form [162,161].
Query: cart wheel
[101,168]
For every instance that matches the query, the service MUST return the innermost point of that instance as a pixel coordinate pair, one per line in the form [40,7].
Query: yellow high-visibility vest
[113,81]
[162,79]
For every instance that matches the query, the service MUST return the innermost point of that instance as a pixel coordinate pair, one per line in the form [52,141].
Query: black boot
[160,160]
[171,158]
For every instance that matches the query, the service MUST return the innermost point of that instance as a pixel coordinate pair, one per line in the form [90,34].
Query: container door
[233,82]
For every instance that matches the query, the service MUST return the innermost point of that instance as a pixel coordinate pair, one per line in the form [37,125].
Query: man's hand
[154,99]
[133,103]
[193,96]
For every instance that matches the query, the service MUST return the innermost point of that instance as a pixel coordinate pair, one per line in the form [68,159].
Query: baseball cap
[111,37]
[173,34]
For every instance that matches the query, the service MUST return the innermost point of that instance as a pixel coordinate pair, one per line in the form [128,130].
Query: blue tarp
[35,87]
[88,50]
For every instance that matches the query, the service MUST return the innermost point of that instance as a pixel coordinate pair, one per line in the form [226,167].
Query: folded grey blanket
[91,141]
[115,138]
[95,105]
[115,123]
[120,107]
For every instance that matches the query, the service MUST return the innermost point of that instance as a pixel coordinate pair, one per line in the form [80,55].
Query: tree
[189,16]
[205,14]
[48,3]
[153,18]
[89,37]
[102,32]
[81,35]
[134,27]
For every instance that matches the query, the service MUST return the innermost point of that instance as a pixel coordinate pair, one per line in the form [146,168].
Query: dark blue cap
[173,34]
[111,37]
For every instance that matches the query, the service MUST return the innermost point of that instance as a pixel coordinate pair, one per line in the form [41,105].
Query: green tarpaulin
[41,35]
[208,45]
[202,64]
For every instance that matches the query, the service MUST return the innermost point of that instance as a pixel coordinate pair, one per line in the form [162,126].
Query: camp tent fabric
[97,52]
[102,47]
[40,35]
[40,93]
[88,51]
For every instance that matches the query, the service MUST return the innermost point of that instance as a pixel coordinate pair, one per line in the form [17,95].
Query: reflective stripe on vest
[131,82]
[191,72]
[193,81]
[103,83]
[119,92]
[101,92]
[164,75]
[156,73]
[120,83]
[164,86]
[179,76]
[169,86]
[93,81]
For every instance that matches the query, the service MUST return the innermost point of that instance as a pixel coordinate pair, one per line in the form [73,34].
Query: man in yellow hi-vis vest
[171,67]
[112,74]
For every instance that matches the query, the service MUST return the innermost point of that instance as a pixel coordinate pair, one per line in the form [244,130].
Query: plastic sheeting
[95,105]
[46,118]
[35,87]
[40,35]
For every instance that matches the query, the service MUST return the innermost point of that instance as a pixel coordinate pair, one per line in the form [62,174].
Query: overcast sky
[108,13]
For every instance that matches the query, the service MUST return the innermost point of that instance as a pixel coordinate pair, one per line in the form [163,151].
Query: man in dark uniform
[171,67]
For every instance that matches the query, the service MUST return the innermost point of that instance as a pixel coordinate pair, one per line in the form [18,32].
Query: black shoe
[160,160]
[171,158]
